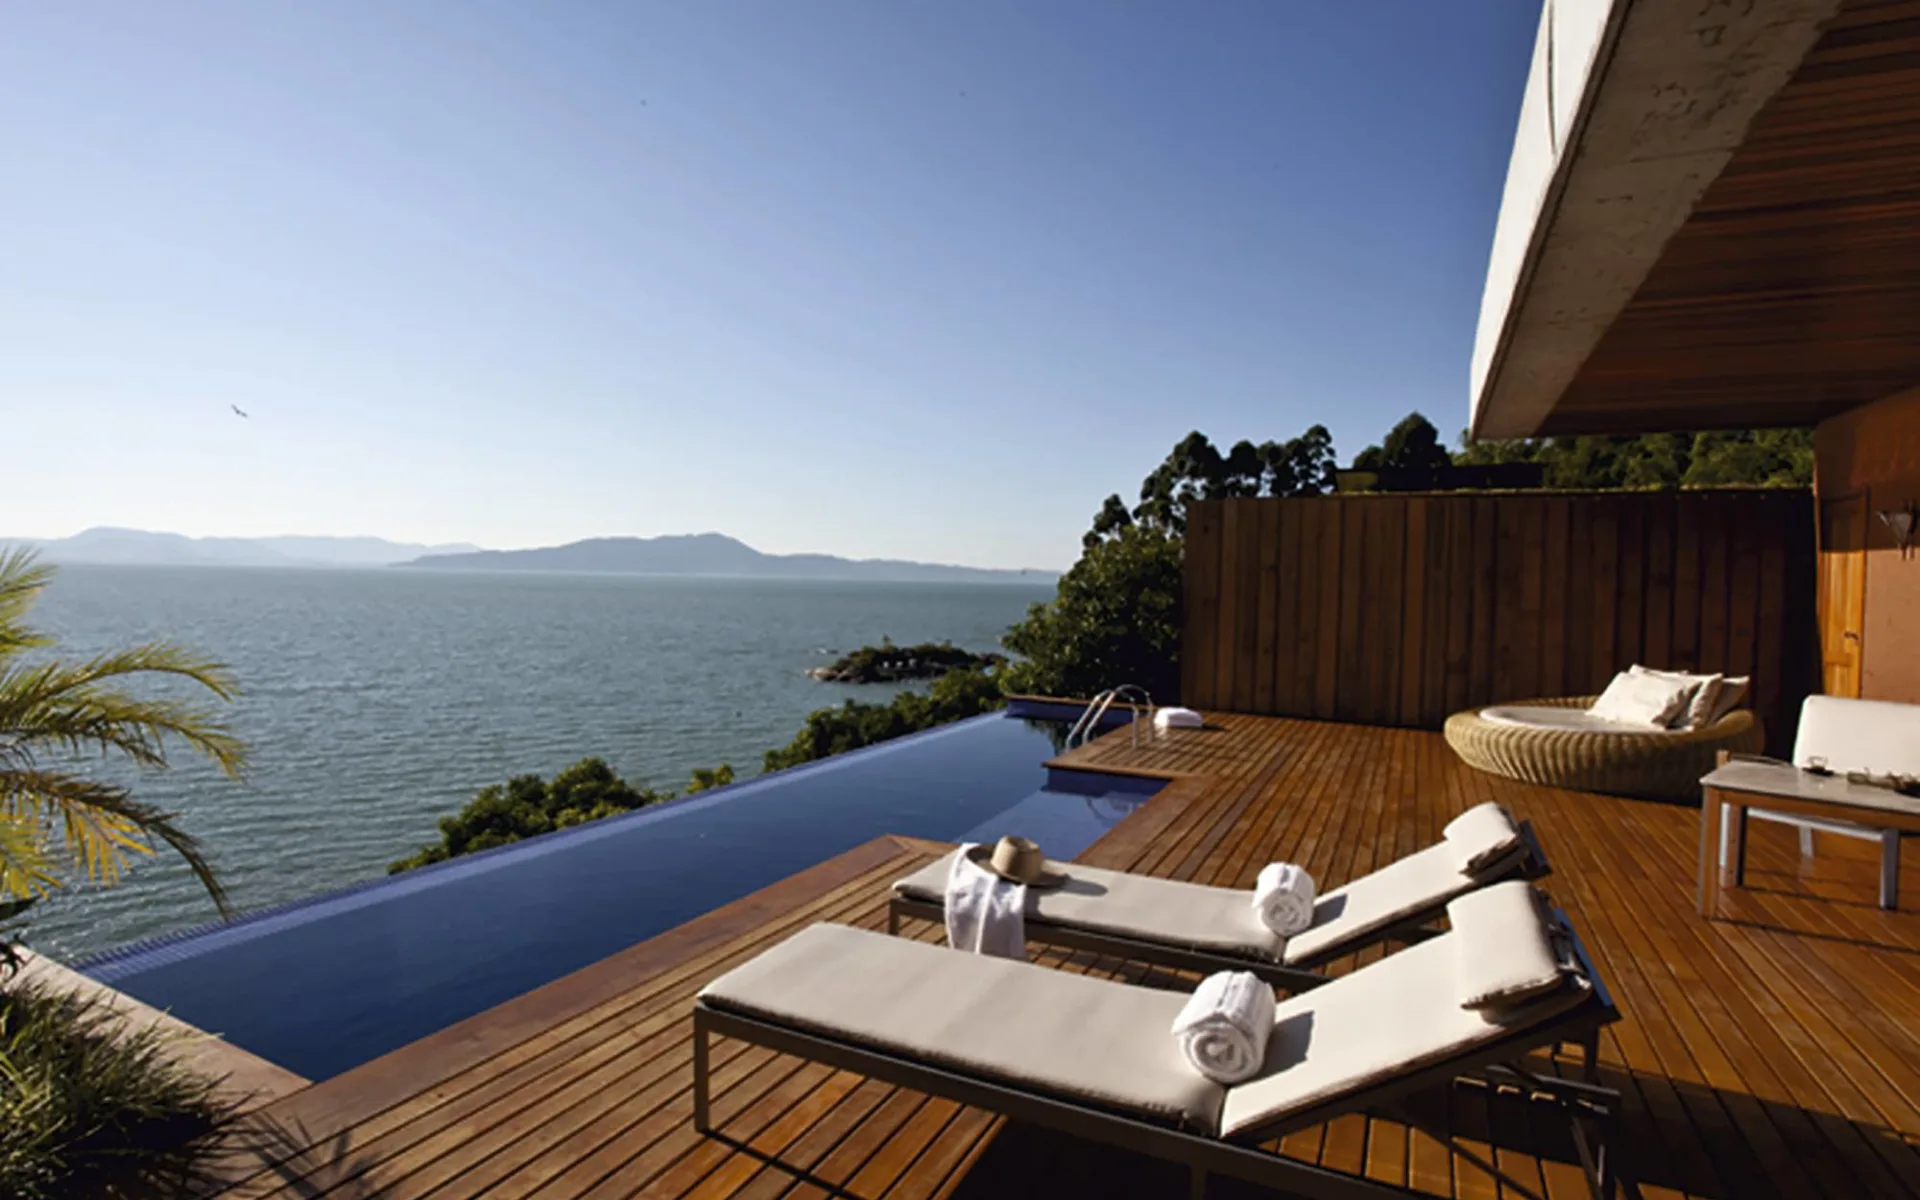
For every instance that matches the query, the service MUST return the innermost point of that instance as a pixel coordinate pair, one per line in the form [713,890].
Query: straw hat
[1018,860]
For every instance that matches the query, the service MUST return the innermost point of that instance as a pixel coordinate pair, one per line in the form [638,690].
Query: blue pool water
[325,984]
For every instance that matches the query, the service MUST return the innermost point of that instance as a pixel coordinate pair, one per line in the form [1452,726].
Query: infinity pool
[328,983]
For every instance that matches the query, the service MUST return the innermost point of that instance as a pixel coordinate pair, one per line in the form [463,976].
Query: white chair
[1856,735]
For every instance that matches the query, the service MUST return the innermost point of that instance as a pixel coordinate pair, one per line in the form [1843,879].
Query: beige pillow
[1733,690]
[1647,701]
[1699,712]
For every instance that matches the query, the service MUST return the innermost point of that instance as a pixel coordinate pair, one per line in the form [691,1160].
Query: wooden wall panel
[1397,610]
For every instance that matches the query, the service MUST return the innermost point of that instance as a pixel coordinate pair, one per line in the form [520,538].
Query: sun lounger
[1095,1057]
[1143,918]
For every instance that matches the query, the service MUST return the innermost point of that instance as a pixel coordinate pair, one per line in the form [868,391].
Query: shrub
[829,731]
[88,1109]
[527,806]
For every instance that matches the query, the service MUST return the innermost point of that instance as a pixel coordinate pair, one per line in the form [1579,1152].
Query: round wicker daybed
[1653,765]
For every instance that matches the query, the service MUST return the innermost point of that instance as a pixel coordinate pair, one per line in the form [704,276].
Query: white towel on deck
[1224,1027]
[985,913]
[1283,896]
[1177,718]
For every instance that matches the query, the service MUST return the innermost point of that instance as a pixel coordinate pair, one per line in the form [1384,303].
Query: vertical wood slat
[1554,590]
[1630,593]
[1604,581]
[1401,609]
[1247,644]
[1306,654]
[1459,675]
[1483,608]
[1326,687]
[1658,582]
[1580,671]
[1433,697]
[1713,584]
[1201,574]
[1286,620]
[1349,700]
[1684,647]
[1509,558]
[1267,633]
[1413,614]
[1226,647]
[1532,615]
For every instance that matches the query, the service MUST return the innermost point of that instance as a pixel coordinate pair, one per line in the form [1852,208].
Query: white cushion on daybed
[1577,720]
[1650,701]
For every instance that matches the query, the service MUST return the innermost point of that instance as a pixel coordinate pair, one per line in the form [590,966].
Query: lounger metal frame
[1525,861]
[1591,1108]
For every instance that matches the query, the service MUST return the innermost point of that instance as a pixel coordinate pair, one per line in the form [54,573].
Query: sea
[377,701]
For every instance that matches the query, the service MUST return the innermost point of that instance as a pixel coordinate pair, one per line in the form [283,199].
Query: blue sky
[908,279]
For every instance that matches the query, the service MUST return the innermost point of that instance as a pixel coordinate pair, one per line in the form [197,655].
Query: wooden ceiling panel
[1793,291]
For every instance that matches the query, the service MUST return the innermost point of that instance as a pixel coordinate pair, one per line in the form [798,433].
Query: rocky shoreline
[888,663]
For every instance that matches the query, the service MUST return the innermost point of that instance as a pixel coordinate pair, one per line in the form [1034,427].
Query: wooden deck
[1772,1052]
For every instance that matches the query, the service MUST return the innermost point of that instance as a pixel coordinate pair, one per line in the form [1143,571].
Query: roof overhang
[1633,109]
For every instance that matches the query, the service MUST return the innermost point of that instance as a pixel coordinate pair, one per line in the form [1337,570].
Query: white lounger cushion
[1388,1018]
[1069,1034]
[1199,917]
[1421,880]
[1163,910]
[1106,1042]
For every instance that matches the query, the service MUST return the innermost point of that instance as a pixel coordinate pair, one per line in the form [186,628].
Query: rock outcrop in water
[888,663]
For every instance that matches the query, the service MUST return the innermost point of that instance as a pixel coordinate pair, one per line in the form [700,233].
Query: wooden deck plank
[1770,1052]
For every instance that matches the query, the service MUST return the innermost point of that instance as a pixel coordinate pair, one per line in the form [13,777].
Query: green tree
[1302,466]
[1115,618]
[1759,457]
[58,822]
[1411,450]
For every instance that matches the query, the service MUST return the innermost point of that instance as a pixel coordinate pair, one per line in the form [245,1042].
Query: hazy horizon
[11,538]
[900,281]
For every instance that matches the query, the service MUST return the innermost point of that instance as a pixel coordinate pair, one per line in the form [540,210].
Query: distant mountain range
[131,547]
[713,554]
[692,554]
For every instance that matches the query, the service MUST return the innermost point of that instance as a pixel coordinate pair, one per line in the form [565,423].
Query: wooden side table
[1737,786]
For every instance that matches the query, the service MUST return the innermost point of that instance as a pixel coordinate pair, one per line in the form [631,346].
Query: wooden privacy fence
[1397,610]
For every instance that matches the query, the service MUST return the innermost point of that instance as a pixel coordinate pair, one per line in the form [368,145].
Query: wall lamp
[1900,522]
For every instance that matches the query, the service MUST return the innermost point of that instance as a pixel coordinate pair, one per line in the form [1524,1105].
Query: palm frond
[102,824]
[27,871]
[71,709]
[76,710]
[22,578]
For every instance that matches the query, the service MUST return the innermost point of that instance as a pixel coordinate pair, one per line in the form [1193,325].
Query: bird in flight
[238,411]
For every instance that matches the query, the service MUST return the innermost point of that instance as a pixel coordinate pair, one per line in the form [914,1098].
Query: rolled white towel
[1177,718]
[1223,1029]
[1283,896]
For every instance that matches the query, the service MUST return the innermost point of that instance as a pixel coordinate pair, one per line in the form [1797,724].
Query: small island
[888,663]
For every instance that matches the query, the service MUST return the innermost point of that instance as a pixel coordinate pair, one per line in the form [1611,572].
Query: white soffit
[1632,108]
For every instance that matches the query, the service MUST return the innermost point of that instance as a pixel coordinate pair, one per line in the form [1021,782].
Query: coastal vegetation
[888,663]
[830,731]
[528,806]
[90,1108]
[87,1108]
